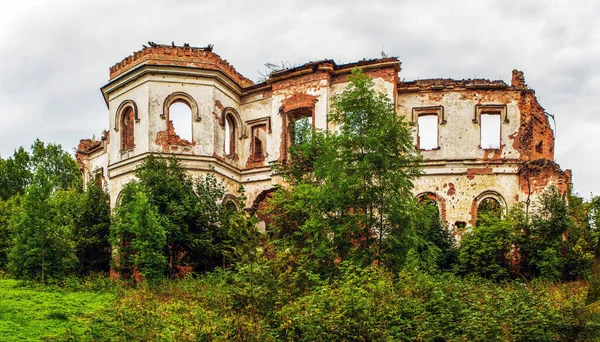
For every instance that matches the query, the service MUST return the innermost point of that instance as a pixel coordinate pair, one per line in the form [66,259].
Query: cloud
[54,56]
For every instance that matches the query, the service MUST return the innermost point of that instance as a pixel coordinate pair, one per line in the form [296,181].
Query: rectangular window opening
[490,131]
[428,132]
[259,142]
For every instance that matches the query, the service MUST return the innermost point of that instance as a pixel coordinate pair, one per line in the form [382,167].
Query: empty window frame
[180,115]
[301,130]
[299,127]
[230,131]
[490,130]
[427,130]
[258,145]
[490,118]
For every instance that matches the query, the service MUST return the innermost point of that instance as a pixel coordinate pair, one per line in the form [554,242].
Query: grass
[44,313]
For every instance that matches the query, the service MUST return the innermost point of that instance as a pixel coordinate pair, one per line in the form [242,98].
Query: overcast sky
[55,55]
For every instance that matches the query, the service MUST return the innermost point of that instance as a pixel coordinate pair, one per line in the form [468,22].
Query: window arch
[433,199]
[125,118]
[490,202]
[231,203]
[180,97]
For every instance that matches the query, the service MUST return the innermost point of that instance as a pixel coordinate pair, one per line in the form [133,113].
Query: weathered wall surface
[458,174]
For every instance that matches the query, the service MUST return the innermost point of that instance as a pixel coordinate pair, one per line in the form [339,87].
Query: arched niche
[180,97]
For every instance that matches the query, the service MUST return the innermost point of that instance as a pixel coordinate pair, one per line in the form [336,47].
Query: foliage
[352,186]
[486,249]
[361,304]
[435,249]
[189,210]
[60,167]
[149,239]
[42,248]
[15,174]
[8,208]
[594,290]
[91,231]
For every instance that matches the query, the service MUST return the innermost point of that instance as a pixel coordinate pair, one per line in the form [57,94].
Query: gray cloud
[54,56]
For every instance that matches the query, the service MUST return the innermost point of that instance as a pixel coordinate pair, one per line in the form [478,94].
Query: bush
[485,249]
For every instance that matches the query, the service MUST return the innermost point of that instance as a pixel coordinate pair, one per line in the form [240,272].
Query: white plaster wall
[459,138]
[137,92]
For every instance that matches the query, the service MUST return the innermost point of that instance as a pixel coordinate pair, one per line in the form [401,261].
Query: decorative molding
[260,121]
[180,97]
[236,117]
[124,105]
[431,110]
[498,109]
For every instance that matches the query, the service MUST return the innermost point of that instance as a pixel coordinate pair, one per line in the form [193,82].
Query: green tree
[149,239]
[486,249]
[190,210]
[351,188]
[594,289]
[91,231]
[15,174]
[542,245]
[59,166]
[8,208]
[42,247]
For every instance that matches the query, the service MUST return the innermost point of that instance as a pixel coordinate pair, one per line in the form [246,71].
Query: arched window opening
[489,207]
[127,129]
[230,131]
[180,115]
[431,210]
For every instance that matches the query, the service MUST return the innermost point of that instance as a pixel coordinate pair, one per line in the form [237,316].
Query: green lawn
[32,314]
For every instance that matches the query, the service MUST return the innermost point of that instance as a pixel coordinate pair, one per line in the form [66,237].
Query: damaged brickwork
[458,173]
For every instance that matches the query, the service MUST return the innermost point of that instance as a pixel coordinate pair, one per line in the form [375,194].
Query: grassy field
[43,313]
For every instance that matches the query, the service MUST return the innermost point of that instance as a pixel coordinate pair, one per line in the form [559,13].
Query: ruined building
[481,140]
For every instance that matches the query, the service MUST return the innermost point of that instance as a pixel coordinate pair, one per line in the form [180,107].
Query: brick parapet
[184,56]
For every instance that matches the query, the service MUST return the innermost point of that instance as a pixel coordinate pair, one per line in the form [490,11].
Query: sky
[55,55]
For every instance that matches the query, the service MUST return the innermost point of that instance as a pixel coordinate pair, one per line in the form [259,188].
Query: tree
[15,174]
[149,239]
[42,248]
[91,231]
[8,208]
[354,183]
[190,211]
[594,289]
[59,166]
[542,245]
[485,250]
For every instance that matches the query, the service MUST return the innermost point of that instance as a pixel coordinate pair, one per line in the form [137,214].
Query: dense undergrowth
[369,304]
